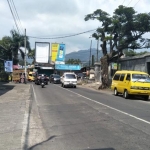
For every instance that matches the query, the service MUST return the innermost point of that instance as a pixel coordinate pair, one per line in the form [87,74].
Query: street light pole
[25,69]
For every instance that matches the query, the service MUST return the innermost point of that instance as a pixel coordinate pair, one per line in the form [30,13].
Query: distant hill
[83,55]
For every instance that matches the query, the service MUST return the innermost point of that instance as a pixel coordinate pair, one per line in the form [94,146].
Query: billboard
[54,51]
[61,53]
[67,67]
[8,66]
[58,52]
[42,52]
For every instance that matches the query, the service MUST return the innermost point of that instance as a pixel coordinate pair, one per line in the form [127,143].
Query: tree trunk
[104,73]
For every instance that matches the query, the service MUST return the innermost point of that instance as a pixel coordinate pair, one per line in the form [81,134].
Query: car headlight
[134,87]
[139,88]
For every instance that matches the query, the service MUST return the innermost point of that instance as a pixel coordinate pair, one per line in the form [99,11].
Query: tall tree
[123,30]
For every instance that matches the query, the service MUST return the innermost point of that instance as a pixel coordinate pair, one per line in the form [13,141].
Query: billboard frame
[48,52]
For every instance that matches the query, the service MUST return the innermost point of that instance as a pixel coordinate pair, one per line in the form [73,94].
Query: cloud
[49,18]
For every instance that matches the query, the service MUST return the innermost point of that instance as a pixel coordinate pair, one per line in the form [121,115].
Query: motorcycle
[42,82]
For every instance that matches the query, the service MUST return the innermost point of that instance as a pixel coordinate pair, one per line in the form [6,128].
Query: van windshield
[140,78]
[70,76]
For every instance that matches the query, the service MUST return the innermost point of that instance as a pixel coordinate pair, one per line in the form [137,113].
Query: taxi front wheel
[115,92]
[125,94]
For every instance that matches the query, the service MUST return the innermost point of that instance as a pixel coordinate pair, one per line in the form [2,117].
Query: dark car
[54,78]
[38,76]
[81,75]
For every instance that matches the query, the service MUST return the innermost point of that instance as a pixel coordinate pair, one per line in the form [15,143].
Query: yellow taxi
[131,83]
[31,76]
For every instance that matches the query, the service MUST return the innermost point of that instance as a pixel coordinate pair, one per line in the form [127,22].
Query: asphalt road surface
[90,120]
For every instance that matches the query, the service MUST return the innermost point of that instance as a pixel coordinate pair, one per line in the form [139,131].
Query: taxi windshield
[140,78]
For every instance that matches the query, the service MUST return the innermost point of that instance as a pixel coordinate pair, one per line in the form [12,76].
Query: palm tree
[17,43]
[31,55]
[13,44]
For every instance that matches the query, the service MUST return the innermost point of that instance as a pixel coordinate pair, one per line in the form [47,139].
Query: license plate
[144,92]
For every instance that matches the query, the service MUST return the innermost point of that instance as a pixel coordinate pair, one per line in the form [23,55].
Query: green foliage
[131,53]
[73,61]
[12,45]
[123,30]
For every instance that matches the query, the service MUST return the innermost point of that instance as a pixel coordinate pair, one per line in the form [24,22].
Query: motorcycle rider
[42,79]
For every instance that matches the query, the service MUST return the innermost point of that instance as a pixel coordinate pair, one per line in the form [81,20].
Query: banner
[8,66]
[114,66]
[61,53]
[54,51]
[58,52]
[42,52]
[67,67]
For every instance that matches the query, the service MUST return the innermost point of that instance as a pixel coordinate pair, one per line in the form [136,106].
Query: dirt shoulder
[94,86]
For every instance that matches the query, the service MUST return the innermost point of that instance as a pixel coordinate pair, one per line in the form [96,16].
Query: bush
[4,76]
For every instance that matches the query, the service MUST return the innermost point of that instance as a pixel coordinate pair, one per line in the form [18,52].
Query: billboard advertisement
[54,51]
[57,52]
[42,50]
[61,53]
[67,67]
[8,66]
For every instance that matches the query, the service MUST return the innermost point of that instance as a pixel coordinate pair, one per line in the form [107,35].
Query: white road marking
[107,106]
[25,126]
[35,95]
[36,101]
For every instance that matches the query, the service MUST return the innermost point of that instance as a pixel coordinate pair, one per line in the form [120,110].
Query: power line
[13,16]
[123,2]
[62,36]
[136,3]
[17,16]
[129,3]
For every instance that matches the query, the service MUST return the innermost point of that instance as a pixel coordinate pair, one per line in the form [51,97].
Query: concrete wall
[138,64]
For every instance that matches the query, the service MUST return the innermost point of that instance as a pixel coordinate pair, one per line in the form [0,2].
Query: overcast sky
[47,18]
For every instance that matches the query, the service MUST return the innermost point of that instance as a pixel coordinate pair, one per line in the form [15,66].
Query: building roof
[135,57]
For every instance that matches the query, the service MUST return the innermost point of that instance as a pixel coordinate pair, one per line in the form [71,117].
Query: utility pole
[25,61]
[90,55]
[97,49]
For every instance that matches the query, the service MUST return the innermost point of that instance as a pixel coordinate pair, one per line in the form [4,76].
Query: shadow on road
[50,138]
[101,149]
[4,87]
[134,97]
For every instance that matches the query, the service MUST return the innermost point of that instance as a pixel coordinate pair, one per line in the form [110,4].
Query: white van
[69,79]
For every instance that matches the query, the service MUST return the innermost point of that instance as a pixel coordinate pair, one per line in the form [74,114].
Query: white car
[69,79]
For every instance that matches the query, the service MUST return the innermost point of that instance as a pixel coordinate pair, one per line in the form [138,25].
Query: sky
[52,18]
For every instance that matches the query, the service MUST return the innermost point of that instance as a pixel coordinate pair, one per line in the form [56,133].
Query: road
[90,120]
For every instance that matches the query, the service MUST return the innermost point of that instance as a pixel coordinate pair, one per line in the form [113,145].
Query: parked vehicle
[54,78]
[131,83]
[31,76]
[19,76]
[81,75]
[69,79]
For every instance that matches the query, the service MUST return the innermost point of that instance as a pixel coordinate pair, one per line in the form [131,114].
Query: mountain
[84,55]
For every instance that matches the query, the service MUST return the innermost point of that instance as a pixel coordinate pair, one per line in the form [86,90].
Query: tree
[73,61]
[31,55]
[123,30]
[131,53]
[13,44]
